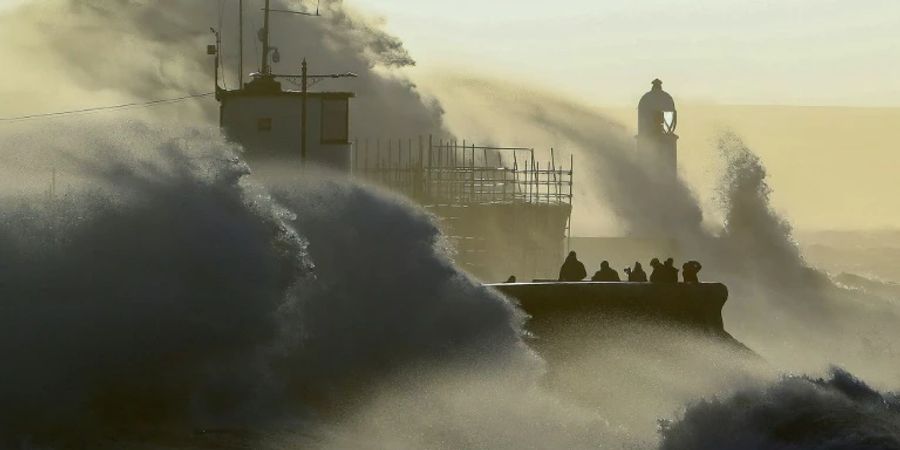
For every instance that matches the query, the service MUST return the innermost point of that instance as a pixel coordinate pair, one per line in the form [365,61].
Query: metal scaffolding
[503,211]
[458,173]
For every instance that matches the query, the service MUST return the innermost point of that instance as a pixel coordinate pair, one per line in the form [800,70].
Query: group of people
[573,270]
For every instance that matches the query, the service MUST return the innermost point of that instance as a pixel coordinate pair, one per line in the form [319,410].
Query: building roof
[251,93]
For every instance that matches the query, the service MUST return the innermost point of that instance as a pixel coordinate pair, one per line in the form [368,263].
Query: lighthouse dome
[656,111]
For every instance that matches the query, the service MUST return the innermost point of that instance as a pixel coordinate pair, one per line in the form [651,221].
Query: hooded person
[656,276]
[670,272]
[637,274]
[690,270]
[572,269]
[606,273]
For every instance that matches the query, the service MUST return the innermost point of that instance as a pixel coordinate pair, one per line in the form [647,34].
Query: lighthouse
[657,143]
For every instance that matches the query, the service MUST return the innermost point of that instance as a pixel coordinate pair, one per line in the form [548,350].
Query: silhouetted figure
[511,279]
[657,276]
[606,273]
[572,269]
[636,275]
[690,270]
[670,272]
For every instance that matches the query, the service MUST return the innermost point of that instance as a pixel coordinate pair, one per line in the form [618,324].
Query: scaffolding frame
[459,173]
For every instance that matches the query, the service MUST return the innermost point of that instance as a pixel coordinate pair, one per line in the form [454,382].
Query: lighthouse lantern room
[657,143]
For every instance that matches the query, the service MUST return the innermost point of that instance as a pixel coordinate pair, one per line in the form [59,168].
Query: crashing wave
[799,412]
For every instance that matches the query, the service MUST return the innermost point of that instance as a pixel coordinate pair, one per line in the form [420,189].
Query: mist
[780,306]
[138,50]
[175,292]
[171,293]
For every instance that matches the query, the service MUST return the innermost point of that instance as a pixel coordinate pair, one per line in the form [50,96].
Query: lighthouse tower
[657,143]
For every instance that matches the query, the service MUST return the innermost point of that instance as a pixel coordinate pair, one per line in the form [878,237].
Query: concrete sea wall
[698,306]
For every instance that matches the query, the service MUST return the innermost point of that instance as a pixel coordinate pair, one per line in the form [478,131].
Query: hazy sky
[806,52]
[830,167]
[786,52]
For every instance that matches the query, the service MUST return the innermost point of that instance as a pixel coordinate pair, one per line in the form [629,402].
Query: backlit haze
[811,86]
[167,285]
[823,79]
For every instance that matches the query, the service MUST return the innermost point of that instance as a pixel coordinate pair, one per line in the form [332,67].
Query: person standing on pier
[656,276]
[637,274]
[690,270]
[572,269]
[606,273]
[670,272]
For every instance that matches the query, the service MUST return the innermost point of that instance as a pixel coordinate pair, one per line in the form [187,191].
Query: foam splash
[165,294]
[145,299]
[384,293]
[837,412]
[97,52]
[789,312]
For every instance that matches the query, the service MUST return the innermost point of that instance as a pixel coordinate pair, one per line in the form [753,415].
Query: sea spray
[384,294]
[146,298]
[432,358]
[168,299]
[789,312]
[97,52]
[798,412]
[167,293]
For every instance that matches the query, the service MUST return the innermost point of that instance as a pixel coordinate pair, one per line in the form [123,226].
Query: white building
[268,122]
[281,126]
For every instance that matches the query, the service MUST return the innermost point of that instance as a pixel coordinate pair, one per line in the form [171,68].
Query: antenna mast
[266,70]
[241,44]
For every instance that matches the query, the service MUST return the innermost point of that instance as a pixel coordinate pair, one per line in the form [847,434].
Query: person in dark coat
[671,273]
[572,269]
[636,275]
[606,273]
[690,270]
[656,276]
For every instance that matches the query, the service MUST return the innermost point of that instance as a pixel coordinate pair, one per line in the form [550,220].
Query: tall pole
[265,41]
[215,51]
[304,89]
[241,44]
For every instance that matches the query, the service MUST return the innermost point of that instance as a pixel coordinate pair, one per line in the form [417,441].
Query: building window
[264,124]
[335,121]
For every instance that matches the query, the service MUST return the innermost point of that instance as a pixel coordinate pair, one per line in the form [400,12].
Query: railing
[450,172]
